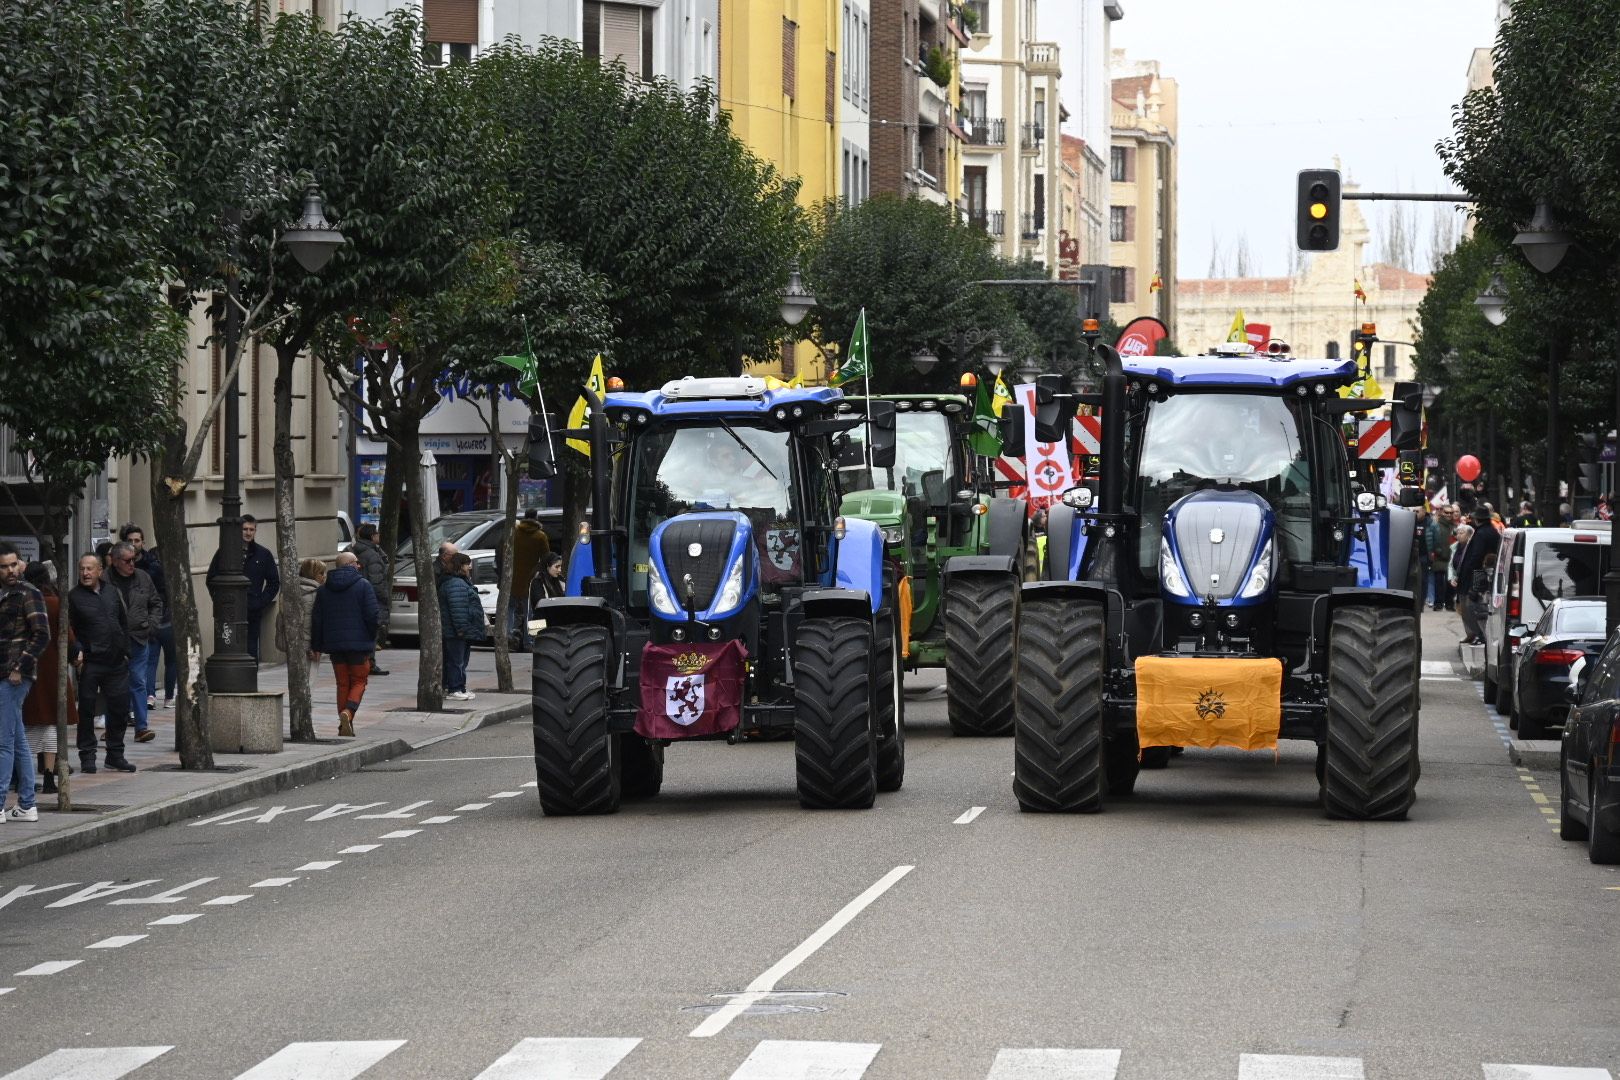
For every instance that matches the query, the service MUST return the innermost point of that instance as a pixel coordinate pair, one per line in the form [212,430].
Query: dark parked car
[1568,630]
[1589,759]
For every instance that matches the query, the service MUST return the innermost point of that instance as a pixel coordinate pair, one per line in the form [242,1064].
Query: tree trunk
[1548,497]
[55,550]
[429,641]
[508,587]
[174,549]
[290,612]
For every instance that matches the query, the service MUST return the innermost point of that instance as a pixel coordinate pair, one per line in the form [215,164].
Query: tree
[86,339]
[1042,322]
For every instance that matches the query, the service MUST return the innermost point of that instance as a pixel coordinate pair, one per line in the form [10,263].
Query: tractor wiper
[746,447]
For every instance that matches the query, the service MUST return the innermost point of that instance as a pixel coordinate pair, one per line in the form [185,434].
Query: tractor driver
[737,479]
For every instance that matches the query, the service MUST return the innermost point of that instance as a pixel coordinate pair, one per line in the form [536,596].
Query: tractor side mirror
[1054,409]
[1406,417]
[542,455]
[1012,431]
[1412,497]
[882,434]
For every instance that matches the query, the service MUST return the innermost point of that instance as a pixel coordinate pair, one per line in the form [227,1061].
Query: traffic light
[1318,217]
[1590,464]
[1406,428]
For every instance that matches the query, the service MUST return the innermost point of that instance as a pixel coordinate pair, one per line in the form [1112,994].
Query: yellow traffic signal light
[1318,209]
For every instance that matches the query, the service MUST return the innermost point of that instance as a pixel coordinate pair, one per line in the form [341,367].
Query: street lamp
[924,361]
[796,299]
[1029,369]
[232,668]
[1542,241]
[1492,302]
[995,361]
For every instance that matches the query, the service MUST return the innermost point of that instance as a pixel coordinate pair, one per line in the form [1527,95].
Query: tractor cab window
[1250,441]
[734,466]
[922,465]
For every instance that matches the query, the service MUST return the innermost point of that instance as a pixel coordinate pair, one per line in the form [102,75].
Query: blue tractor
[715,519]
[1223,582]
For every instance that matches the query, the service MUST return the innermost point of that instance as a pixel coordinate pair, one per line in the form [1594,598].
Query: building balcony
[993,222]
[1031,138]
[1030,227]
[985,130]
[930,102]
[1041,58]
[928,10]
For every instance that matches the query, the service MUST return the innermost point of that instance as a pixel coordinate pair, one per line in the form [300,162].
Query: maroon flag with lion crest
[690,689]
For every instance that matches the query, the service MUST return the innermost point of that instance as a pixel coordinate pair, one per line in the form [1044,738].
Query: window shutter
[453,21]
[1130,165]
[621,36]
[790,59]
[1130,224]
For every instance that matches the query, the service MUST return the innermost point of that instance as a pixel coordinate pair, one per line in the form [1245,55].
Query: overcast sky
[1269,87]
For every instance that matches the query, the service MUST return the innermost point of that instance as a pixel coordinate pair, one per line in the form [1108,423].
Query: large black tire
[576,759]
[1568,827]
[1529,726]
[641,769]
[834,743]
[889,699]
[1487,688]
[981,623]
[1057,729]
[1604,844]
[1372,714]
[1504,692]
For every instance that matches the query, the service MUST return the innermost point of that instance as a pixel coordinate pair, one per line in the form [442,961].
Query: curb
[229,792]
[1535,753]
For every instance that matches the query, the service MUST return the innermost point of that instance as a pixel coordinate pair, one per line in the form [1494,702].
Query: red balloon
[1468,468]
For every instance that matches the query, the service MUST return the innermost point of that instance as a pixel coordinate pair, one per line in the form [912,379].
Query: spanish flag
[1156,284]
[1361,294]
[1239,332]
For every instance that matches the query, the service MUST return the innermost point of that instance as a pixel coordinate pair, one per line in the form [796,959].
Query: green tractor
[959,547]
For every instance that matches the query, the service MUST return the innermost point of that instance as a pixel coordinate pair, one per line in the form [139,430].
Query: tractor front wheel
[890,702]
[576,759]
[1057,727]
[1370,765]
[834,742]
[981,623]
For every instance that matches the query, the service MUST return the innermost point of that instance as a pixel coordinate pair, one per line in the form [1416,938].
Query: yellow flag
[794,383]
[580,415]
[999,397]
[1239,332]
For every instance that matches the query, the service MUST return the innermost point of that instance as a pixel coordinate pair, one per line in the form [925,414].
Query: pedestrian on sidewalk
[25,633]
[344,623]
[39,710]
[530,547]
[311,573]
[96,614]
[264,580]
[462,622]
[553,579]
[163,637]
[1473,569]
[441,565]
[374,568]
[143,611]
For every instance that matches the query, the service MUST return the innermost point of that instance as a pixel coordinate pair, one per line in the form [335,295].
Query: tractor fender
[1007,525]
[829,603]
[860,563]
[1399,529]
[979,564]
[1060,549]
[1400,599]
[587,611]
[1088,592]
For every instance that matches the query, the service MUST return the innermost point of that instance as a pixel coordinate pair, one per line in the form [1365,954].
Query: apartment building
[917,137]
[1142,195]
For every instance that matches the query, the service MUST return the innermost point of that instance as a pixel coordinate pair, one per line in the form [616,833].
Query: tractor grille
[1240,516]
[707,568]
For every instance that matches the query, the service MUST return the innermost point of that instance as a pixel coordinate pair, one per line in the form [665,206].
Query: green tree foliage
[691,234]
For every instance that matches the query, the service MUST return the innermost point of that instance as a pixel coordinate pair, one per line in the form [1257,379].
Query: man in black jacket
[96,613]
[143,611]
[163,637]
[1478,557]
[264,581]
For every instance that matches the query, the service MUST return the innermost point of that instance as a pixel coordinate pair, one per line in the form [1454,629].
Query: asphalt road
[425,917]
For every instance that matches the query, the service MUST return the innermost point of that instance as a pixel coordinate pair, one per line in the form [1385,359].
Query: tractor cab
[918,493]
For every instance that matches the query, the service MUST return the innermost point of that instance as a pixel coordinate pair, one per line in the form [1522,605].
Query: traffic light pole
[1396,196]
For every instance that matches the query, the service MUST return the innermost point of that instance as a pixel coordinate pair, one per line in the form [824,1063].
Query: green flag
[857,361]
[985,438]
[529,382]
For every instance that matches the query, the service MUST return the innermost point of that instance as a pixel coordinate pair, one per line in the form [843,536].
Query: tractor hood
[1218,545]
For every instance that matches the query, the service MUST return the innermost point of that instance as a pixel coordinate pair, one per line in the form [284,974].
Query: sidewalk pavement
[111,805]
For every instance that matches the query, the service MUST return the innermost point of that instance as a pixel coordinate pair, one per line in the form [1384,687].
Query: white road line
[559,1059]
[117,942]
[506,794]
[969,816]
[493,757]
[272,883]
[1439,678]
[1055,1065]
[322,1060]
[102,1063]
[1292,1067]
[222,900]
[791,1059]
[359,849]
[49,967]
[175,920]
[321,864]
[399,834]
[532,783]
[1543,1072]
[760,987]
[472,806]
[440,819]
[6,989]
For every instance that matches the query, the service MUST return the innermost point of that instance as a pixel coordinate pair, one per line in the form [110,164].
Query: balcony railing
[1032,137]
[993,222]
[986,131]
[1041,58]
[1030,226]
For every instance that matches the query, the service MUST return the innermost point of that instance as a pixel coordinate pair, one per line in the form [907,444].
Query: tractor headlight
[894,534]
[658,594]
[1169,573]
[731,592]
[1260,577]
[1366,501]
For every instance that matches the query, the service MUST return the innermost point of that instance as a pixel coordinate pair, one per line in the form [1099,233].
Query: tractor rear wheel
[981,622]
[576,759]
[833,740]
[641,768]
[1057,728]
[1370,765]
[890,702]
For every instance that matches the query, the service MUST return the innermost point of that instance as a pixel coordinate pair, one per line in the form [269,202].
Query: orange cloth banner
[905,616]
[1194,701]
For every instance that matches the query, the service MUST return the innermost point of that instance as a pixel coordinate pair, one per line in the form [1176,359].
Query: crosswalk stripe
[100,1063]
[322,1060]
[1295,1067]
[117,942]
[1543,1072]
[50,967]
[1438,667]
[1055,1065]
[560,1059]
[796,1059]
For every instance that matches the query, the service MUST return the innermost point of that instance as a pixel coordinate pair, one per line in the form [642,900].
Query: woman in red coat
[39,707]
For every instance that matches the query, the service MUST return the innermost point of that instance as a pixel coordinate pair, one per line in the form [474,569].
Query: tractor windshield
[922,463]
[1249,441]
[725,465]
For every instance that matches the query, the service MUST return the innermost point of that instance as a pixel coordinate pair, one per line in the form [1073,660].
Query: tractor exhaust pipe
[1111,496]
[601,488]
